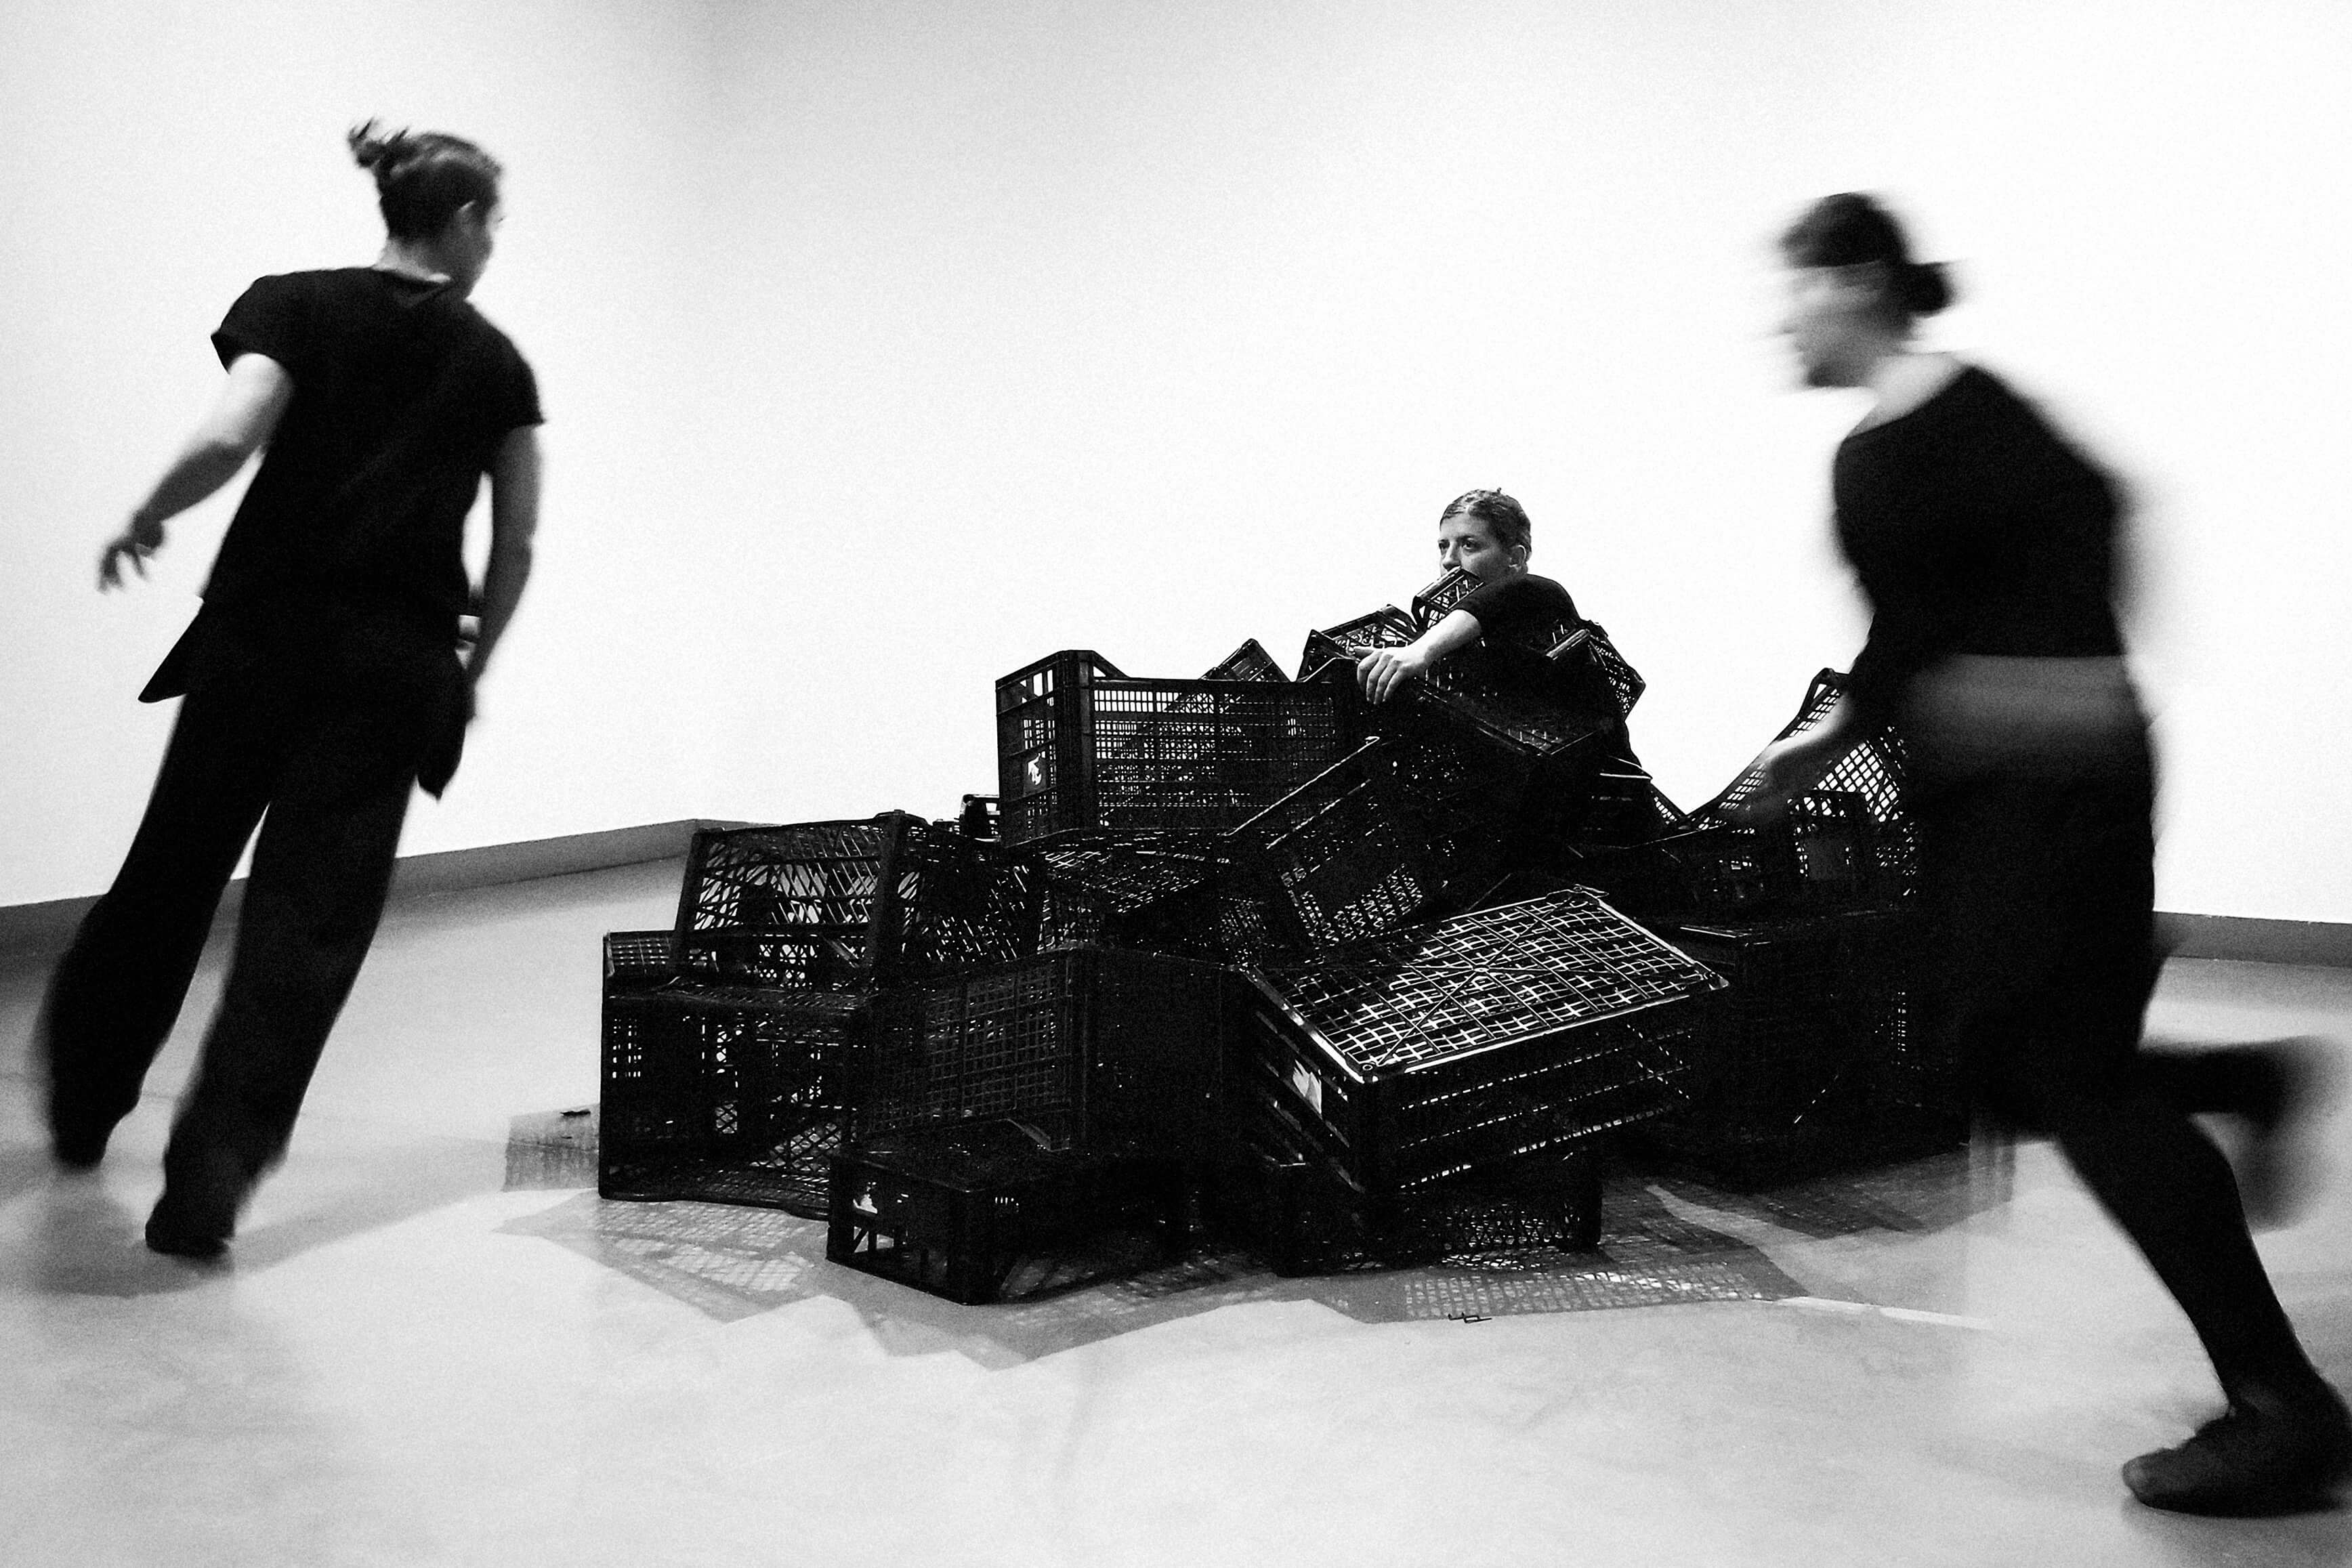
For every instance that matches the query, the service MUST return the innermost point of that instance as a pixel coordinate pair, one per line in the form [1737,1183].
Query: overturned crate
[848,905]
[1471,1044]
[727,1094]
[1099,1050]
[987,1211]
[1082,746]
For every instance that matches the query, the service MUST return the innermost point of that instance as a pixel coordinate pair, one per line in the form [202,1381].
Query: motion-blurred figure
[319,681]
[1985,543]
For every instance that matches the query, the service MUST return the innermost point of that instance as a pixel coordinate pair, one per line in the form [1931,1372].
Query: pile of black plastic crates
[1347,984]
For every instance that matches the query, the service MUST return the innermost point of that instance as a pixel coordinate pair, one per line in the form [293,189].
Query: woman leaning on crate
[1984,542]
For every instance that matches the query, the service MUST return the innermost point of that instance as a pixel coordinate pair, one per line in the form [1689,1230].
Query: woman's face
[1833,323]
[1469,543]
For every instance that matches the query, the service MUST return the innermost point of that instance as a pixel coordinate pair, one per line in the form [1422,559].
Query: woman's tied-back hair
[423,177]
[1504,517]
[1853,230]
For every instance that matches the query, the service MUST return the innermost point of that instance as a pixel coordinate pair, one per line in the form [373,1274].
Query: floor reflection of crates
[727,1094]
[1473,1042]
[1816,1058]
[984,1212]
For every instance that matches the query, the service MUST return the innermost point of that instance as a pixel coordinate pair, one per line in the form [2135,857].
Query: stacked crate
[735,1046]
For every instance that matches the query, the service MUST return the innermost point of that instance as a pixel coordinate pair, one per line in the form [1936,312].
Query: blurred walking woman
[319,681]
[1984,542]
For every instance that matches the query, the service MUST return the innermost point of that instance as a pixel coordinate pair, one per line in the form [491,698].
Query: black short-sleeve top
[403,393]
[1974,528]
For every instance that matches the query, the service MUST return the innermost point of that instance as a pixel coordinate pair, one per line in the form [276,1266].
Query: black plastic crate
[1386,836]
[1852,838]
[1434,603]
[1097,1047]
[1570,641]
[727,1094]
[1150,892]
[1704,872]
[1080,746]
[1387,627]
[1250,662]
[983,1212]
[845,906]
[1588,644]
[639,960]
[1275,1192]
[1814,1058]
[1481,1039]
[1462,697]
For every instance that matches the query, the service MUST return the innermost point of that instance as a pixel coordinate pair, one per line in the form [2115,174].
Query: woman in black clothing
[1486,534]
[319,681]
[1985,544]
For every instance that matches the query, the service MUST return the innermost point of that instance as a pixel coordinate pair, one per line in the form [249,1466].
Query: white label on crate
[863,1202]
[1033,774]
[1308,1085]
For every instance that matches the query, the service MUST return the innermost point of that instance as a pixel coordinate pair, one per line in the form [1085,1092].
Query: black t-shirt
[402,396]
[1974,529]
[1524,611]
[1520,620]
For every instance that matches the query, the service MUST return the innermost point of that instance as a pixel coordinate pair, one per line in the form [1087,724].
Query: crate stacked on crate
[1379,1080]
[733,1047]
[1817,1058]
[1080,746]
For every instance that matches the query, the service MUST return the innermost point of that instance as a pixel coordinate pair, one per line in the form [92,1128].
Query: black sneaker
[2250,1462]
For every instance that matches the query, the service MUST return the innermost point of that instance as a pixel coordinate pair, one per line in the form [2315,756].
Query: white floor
[432,1348]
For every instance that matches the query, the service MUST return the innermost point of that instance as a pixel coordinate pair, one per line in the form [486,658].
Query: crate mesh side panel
[1873,773]
[1002,1044]
[962,903]
[791,906]
[726,1094]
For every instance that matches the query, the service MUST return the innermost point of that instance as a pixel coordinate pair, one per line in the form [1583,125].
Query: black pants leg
[115,994]
[2044,895]
[321,873]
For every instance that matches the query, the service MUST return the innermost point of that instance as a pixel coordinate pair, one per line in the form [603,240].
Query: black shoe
[192,1231]
[2252,1462]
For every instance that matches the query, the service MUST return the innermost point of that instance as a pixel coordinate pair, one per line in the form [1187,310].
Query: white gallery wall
[889,346]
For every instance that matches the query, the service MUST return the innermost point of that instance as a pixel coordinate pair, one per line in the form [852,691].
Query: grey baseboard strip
[2317,942]
[31,929]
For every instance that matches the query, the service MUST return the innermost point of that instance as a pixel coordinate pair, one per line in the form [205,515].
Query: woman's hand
[1381,672]
[134,544]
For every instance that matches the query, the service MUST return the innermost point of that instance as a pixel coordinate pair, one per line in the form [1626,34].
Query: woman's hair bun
[372,147]
[1922,287]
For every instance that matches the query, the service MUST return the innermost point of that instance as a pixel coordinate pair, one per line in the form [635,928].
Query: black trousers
[2041,896]
[321,751]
